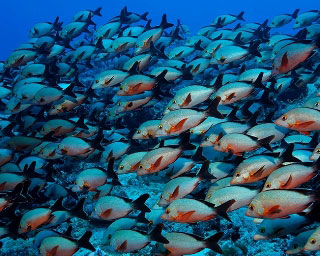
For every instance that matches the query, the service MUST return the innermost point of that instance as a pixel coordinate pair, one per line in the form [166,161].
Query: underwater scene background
[159,128]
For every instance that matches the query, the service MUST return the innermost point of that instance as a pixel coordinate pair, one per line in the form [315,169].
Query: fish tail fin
[237,39]
[252,121]
[222,209]
[258,82]
[155,235]
[56,24]
[96,143]
[78,211]
[253,48]
[295,14]
[157,52]
[318,42]
[198,156]
[287,156]
[314,140]
[141,218]
[144,16]
[164,23]
[232,116]
[219,82]
[8,130]
[197,46]
[139,204]
[186,73]
[240,16]
[185,142]
[112,174]
[123,15]
[316,165]
[161,77]
[84,241]
[212,109]
[57,206]
[80,123]
[204,173]
[212,242]
[97,11]
[265,142]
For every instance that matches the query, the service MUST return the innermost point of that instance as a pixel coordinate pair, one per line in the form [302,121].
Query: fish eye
[121,88]
[174,101]
[168,211]
[295,246]
[238,174]
[297,22]
[109,236]
[262,230]
[191,131]
[284,117]
[97,81]
[318,151]
[313,241]
[317,104]
[160,126]
[119,103]
[268,185]
[207,139]
[138,131]
[140,166]
[251,207]
[219,144]
[121,167]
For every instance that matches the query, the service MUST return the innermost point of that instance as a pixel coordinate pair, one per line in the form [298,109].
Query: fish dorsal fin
[284,60]
[175,193]
[287,183]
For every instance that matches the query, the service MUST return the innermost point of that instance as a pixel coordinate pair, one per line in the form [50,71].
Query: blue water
[18,16]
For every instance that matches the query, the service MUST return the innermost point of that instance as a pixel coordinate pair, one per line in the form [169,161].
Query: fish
[177,241]
[279,203]
[290,176]
[112,207]
[182,186]
[130,240]
[188,210]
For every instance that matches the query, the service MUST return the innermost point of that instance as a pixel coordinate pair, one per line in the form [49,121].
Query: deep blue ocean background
[18,16]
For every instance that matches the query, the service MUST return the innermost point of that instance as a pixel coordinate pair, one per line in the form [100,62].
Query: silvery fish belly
[122,133]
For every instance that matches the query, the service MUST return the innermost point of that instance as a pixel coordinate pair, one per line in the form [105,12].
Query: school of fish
[224,119]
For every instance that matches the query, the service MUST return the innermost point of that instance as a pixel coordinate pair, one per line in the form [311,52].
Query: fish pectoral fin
[231,96]
[304,124]
[135,87]
[258,172]
[187,101]
[122,247]
[186,215]
[2,186]
[273,210]
[175,193]
[157,163]
[277,230]
[53,251]
[135,167]
[284,60]
[287,183]
[106,213]
[178,126]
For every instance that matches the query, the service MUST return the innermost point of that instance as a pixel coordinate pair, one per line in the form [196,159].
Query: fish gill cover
[141,138]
